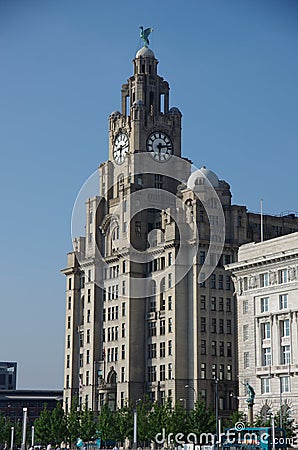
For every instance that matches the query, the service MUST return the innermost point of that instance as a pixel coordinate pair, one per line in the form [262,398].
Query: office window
[229,327]
[67,381]
[122,376]
[170,280]
[122,400]
[229,349]
[220,282]
[162,349]
[220,304]
[170,324]
[214,371]
[69,283]
[162,372]
[81,360]
[202,282]
[123,330]
[203,324]
[267,356]
[152,329]
[88,336]
[246,360]
[170,348]
[228,283]
[245,306]
[203,301]
[123,352]
[213,303]
[67,361]
[229,372]
[285,384]
[170,303]
[285,354]
[221,371]
[87,378]
[213,348]
[88,357]
[203,371]
[152,351]
[89,295]
[162,305]
[221,348]
[245,332]
[162,327]
[202,257]
[221,326]
[266,328]
[283,301]
[283,276]
[213,281]
[264,304]
[81,339]
[68,322]
[170,258]
[123,309]
[69,303]
[88,316]
[170,371]
[203,347]
[285,327]
[213,325]
[265,385]
[264,279]
[228,304]
[245,283]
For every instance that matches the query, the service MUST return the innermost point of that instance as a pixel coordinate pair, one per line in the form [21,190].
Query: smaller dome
[199,176]
[174,110]
[115,114]
[145,52]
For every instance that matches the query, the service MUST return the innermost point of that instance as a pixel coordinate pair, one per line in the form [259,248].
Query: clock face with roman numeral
[160,146]
[121,147]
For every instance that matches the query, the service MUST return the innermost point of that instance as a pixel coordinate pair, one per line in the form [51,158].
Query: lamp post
[135,425]
[11,438]
[23,446]
[32,436]
[184,402]
[194,391]
[280,403]
[216,412]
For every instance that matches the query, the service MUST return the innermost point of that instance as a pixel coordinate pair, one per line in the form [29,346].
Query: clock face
[121,147]
[160,146]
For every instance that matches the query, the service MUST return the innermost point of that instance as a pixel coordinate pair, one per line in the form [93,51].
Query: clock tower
[146,123]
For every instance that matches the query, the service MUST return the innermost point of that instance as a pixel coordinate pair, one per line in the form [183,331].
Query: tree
[42,427]
[202,419]
[237,416]
[87,425]
[58,425]
[5,429]
[106,423]
[73,423]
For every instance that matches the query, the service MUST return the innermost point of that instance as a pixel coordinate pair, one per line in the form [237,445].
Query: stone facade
[267,291]
[124,341]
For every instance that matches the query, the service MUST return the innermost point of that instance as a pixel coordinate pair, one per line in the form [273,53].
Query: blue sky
[232,67]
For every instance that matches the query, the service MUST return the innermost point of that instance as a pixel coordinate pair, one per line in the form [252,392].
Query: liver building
[150,309]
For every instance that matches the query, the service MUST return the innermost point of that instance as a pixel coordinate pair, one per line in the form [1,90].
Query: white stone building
[266,280]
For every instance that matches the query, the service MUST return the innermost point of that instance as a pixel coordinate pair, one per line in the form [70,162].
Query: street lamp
[135,425]
[184,402]
[216,411]
[195,392]
[23,446]
[11,439]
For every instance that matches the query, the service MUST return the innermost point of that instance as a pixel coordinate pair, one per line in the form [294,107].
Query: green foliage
[107,423]
[202,419]
[73,423]
[87,425]
[58,425]
[42,427]
[237,416]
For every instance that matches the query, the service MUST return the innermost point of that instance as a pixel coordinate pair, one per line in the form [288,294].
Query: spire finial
[144,35]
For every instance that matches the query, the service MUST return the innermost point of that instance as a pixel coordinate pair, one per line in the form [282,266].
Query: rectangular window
[162,349]
[81,339]
[162,302]
[152,329]
[220,304]
[245,307]
[221,348]
[162,372]
[203,371]
[87,378]
[67,361]
[170,259]
[214,371]
[229,327]
[285,328]
[123,351]
[283,301]
[68,322]
[221,326]
[246,360]
[123,330]
[228,283]
[170,325]
[229,372]
[170,303]
[213,281]
[283,276]
[265,385]
[267,356]
[152,351]
[170,348]
[88,357]
[122,377]
[203,301]
[221,371]
[81,360]
[245,332]
[213,325]
[170,371]
[266,328]
[170,280]
[264,279]
[264,304]
[213,303]
[123,309]
[285,384]
[203,347]
[69,283]
[88,336]
[213,348]
[203,324]
[151,374]
[220,282]
[285,354]
[69,303]
[228,304]
[229,349]
[162,327]
[245,284]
